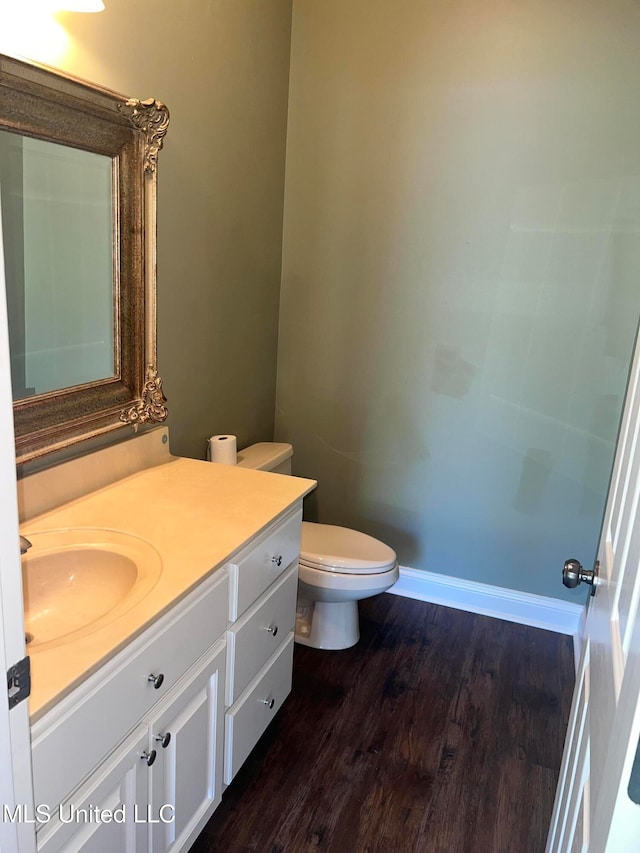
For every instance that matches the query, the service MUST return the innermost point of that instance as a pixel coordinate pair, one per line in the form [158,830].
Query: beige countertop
[195,514]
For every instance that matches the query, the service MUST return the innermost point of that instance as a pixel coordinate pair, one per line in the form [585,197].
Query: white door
[15,752]
[593,811]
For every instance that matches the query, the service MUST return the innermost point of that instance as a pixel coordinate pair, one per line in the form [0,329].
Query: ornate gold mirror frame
[40,103]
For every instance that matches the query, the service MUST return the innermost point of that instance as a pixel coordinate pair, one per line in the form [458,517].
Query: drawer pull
[164,740]
[269,702]
[156,680]
[272,629]
[149,757]
[277,560]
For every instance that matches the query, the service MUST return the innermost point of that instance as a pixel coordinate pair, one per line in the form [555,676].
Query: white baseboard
[525,608]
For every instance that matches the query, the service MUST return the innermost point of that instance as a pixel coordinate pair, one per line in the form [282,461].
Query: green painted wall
[460,260]
[460,274]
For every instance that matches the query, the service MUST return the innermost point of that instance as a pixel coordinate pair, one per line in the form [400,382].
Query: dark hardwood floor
[439,732]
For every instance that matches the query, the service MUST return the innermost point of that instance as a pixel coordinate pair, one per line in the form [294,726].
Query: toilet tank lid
[265,455]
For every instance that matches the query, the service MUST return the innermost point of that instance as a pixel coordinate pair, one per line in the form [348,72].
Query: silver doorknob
[573,574]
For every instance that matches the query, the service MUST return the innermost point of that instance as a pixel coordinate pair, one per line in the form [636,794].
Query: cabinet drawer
[257,567]
[86,724]
[252,713]
[255,637]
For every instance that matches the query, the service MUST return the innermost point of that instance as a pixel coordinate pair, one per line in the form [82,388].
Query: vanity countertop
[194,513]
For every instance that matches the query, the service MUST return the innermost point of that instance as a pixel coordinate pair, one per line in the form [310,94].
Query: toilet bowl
[338,566]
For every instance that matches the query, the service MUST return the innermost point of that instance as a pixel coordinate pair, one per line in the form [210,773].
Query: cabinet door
[108,812]
[186,778]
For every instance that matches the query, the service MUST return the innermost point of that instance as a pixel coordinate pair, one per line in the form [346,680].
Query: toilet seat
[339,549]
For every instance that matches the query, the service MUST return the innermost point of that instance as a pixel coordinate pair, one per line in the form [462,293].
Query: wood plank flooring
[439,732]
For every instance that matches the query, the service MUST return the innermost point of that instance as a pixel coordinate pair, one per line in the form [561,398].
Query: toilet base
[334,625]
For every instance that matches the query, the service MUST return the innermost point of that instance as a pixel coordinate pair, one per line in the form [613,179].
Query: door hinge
[19,681]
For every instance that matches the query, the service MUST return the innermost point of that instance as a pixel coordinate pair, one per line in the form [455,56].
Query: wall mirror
[78,171]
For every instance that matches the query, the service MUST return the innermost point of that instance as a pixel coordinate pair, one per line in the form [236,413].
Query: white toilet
[338,566]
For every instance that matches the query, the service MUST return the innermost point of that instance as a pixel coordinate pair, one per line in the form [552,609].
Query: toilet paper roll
[223,449]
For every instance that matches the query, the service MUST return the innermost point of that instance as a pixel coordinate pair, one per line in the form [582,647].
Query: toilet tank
[267,456]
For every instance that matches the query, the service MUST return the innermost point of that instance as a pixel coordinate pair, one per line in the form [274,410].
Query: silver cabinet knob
[269,702]
[277,560]
[149,757]
[573,574]
[272,629]
[164,740]
[156,680]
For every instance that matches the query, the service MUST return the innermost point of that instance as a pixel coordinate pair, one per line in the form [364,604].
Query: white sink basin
[76,581]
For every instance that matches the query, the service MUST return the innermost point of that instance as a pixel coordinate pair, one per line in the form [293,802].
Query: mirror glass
[57,225]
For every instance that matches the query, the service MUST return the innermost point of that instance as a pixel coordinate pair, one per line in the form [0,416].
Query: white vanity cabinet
[135,758]
[149,690]
[263,588]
